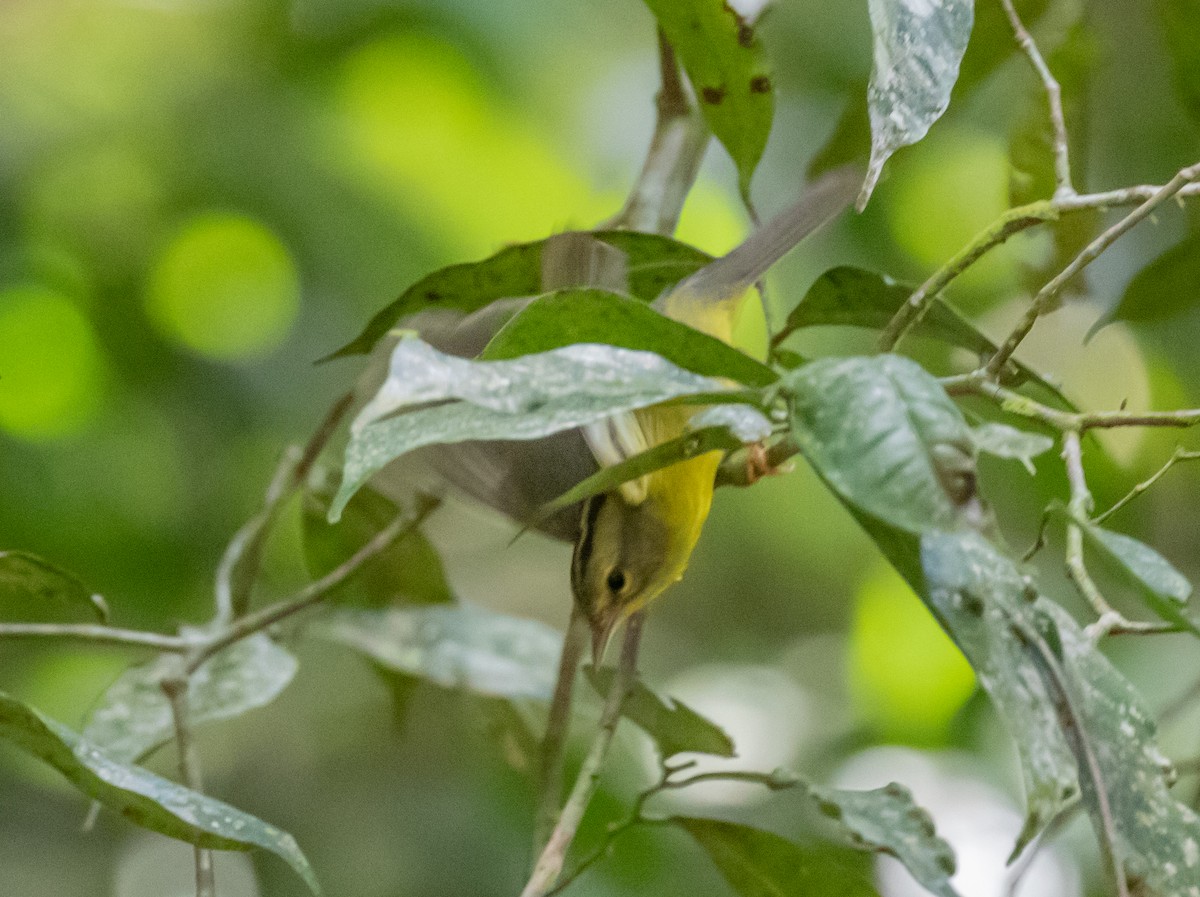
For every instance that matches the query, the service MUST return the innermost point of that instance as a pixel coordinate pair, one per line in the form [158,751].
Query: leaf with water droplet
[142,797]
[918,45]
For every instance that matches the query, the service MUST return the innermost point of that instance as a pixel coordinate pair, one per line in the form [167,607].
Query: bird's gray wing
[515,478]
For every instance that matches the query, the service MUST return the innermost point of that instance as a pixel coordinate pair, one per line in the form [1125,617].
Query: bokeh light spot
[50,364]
[942,194]
[226,287]
[907,677]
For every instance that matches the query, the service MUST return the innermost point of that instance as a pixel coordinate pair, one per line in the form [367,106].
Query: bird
[631,544]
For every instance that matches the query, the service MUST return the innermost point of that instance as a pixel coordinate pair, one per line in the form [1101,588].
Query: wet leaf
[142,797]
[595,316]
[1163,588]
[758,863]
[653,263]
[674,727]
[408,570]
[525,398]
[34,590]
[886,820]
[1008,442]
[886,437]
[725,62]
[133,717]
[455,646]
[917,50]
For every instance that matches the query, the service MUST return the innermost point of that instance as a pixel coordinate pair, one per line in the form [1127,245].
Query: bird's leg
[759,464]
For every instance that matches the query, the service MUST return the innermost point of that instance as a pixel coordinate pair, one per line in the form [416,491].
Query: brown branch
[103,635]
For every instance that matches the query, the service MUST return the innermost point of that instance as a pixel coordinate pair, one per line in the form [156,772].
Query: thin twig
[91,632]
[1048,294]
[1007,225]
[673,159]
[550,863]
[240,563]
[1062,164]
[1015,403]
[1180,454]
[557,726]
[176,689]
[312,594]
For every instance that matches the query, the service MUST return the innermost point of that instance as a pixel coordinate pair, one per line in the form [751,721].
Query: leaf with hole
[455,646]
[917,50]
[142,797]
[725,61]
[133,716]
[36,591]
[674,727]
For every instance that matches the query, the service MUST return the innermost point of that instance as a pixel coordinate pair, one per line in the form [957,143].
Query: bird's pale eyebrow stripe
[583,545]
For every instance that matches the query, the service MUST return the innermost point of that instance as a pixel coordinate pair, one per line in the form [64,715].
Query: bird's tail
[733,274]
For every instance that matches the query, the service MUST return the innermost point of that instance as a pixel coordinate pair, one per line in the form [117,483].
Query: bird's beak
[602,631]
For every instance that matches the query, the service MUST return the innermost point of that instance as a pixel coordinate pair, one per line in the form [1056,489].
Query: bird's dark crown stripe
[587,530]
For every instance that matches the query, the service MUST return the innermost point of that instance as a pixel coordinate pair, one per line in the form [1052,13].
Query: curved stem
[550,862]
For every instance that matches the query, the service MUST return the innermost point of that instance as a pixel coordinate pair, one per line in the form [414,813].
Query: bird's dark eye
[616,581]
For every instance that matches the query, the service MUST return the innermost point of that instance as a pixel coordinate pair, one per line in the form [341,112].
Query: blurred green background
[200,197]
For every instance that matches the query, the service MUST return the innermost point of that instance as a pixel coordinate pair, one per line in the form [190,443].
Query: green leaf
[455,646]
[917,50]
[886,820]
[142,797]
[675,727]
[653,263]
[757,863]
[886,437]
[853,297]
[1157,836]
[689,445]
[408,570]
[595,316]
[133,717]
[1180,21]
[725,62]
[1166,287]
[1010,443]
[35,590]
[1163,588]
[525,398]
[975,592]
